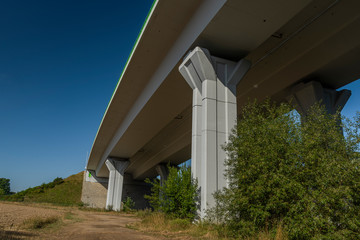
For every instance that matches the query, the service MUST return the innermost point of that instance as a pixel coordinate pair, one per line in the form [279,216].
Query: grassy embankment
[66,192]
[63,192]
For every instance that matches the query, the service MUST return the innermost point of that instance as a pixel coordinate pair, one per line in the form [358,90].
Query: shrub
[178,196]
[128,204]
[305,175]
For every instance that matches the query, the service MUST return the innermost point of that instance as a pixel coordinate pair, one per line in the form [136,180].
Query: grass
[62,193]
[33,225]
[71,217]
[14,235]
[36,223]
[158,223]
[68,193]
[65,193]
[129,212]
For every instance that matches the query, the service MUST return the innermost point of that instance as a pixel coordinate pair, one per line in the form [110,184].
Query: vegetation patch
[60,191]
[71,217]
[300,174]
[36,223]
[178,196]
[128,205]
[161,224]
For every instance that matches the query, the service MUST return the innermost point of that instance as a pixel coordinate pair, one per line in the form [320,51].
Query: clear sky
[60,62]
[59,65]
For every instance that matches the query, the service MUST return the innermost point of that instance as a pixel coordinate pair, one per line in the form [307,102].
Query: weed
[40,222]
[69,216]
[72,217]
[89,209]
[143,213]
[160,223]
[128,204]
[178,224]
[110,208]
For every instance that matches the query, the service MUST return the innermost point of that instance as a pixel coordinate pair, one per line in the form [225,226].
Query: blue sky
[59,64]
[353,105]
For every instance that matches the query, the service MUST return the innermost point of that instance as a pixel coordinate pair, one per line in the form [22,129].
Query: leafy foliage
[303,175]
[178,196]
[129,204]
[4,186]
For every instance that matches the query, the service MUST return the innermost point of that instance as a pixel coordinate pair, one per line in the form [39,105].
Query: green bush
[304,175]
[178,197]
[129,204]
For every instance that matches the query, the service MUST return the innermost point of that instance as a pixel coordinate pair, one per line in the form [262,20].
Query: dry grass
[280,233]
[35,223]
[15,235]
[265,235]
[159,224]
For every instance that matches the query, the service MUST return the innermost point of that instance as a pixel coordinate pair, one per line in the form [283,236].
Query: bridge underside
[150,118]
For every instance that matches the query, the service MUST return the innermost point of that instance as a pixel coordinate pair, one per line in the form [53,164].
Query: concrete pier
[213,81]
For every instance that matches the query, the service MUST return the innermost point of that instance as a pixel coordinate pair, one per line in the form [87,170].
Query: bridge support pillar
[304,95]
[116,181]
[163,171]
[213,81]
[94,190]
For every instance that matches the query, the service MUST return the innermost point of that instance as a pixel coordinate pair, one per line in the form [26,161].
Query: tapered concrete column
[163,171]
[116,181]
[304,95]
[213,81]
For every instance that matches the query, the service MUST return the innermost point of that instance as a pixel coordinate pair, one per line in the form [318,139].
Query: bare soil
[78,224]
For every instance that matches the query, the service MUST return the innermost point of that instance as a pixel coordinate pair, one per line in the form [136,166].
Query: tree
[178,196]
[304,175]
[4,186]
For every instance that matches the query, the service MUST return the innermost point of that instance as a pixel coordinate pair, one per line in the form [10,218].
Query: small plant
[128,205]
[72,217]
[69,216]
[82,205]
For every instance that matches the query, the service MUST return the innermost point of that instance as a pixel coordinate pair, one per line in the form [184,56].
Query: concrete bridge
[195,64]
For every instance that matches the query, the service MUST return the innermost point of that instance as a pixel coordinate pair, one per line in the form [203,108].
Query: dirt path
[81,225]
[101,226]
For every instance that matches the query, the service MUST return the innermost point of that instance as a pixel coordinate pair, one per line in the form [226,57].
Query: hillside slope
[61,192]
